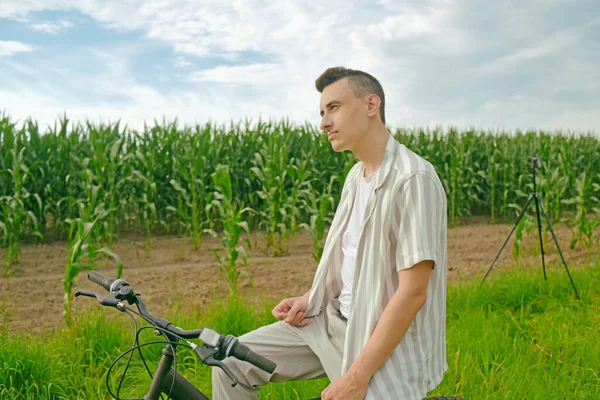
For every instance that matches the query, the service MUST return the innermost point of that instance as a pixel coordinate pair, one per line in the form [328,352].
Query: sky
[501,65]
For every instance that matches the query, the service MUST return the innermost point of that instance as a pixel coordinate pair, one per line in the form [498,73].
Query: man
[374,320]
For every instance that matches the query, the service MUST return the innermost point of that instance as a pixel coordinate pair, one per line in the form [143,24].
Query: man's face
[343,116]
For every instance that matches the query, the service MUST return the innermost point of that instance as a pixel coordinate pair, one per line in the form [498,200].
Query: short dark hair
[361,83]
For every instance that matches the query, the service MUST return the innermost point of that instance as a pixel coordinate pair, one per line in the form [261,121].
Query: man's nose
[325,124]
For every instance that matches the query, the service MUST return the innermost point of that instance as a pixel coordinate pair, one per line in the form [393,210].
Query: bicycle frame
[163,379]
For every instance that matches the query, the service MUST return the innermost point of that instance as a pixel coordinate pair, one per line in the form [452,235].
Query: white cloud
[11,47]
[22,68]
[139,103]
[532,112]
[147,105]
[181,62]
[546,47]
[408,25]
[243,74]
[53,27]
[439,61]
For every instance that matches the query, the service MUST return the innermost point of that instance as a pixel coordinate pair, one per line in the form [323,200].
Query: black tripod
[536,162]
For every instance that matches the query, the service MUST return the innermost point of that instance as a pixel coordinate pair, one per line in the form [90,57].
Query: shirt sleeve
[419,215]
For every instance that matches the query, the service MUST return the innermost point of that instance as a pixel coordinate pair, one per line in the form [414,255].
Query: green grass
[523,337]
[518,336]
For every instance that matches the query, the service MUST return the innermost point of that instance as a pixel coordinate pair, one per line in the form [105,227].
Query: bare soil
[31,300]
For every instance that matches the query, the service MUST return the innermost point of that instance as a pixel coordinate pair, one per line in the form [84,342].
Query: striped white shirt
[404,223]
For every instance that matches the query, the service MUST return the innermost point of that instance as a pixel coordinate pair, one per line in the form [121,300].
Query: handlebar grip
[242,352]
[101,279]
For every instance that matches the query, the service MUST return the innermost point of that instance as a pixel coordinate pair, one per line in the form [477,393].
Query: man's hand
[292,310]
[346,387]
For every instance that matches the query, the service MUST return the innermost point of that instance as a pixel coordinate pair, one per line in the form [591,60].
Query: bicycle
[167,380]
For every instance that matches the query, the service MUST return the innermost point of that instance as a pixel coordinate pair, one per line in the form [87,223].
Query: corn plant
[110,170]
[63,162]
[590,224]
[154,151]
[271,164]
[100,183]
[15,216]
[284,183]
[579,222]
[231,213]
[236,148]
[160,181]
[34,185]
[80,246]
[300,176]
[321,207]
[528,222]
[192,171]
[588,227]
[523,228]
[462,175]
[554,186]
[147,213]
[90,205]
[492,178]
[507,188]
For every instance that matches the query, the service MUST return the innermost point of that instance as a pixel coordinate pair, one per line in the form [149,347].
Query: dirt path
[33,299]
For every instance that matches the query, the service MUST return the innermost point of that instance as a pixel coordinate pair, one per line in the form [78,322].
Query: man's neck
[372,150]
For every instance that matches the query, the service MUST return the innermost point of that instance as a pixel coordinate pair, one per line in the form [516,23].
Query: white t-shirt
[350,239]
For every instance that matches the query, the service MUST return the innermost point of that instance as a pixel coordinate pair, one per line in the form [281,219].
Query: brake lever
[86,293]
[207,355]
[109,301]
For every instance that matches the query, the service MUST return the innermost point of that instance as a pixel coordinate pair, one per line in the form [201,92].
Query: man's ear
[373,104]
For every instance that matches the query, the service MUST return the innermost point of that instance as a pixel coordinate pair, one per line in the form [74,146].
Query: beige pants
[301,353]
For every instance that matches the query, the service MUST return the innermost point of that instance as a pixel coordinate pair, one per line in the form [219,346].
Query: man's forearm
[389,331]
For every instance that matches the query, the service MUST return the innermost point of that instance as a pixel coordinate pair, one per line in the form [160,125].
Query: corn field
[159,180]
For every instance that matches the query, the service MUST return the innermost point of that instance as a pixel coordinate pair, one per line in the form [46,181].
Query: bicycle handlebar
[242,352]
[120,290]
[101,279]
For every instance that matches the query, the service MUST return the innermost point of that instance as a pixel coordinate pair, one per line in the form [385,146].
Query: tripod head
[536,161]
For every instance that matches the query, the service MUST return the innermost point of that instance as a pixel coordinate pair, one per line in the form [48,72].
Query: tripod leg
[537,213]
[508,237]
[560,252]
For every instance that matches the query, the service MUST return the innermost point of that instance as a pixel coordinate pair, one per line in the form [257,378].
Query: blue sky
[491,65]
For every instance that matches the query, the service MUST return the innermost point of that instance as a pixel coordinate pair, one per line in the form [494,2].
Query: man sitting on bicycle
[374,320]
